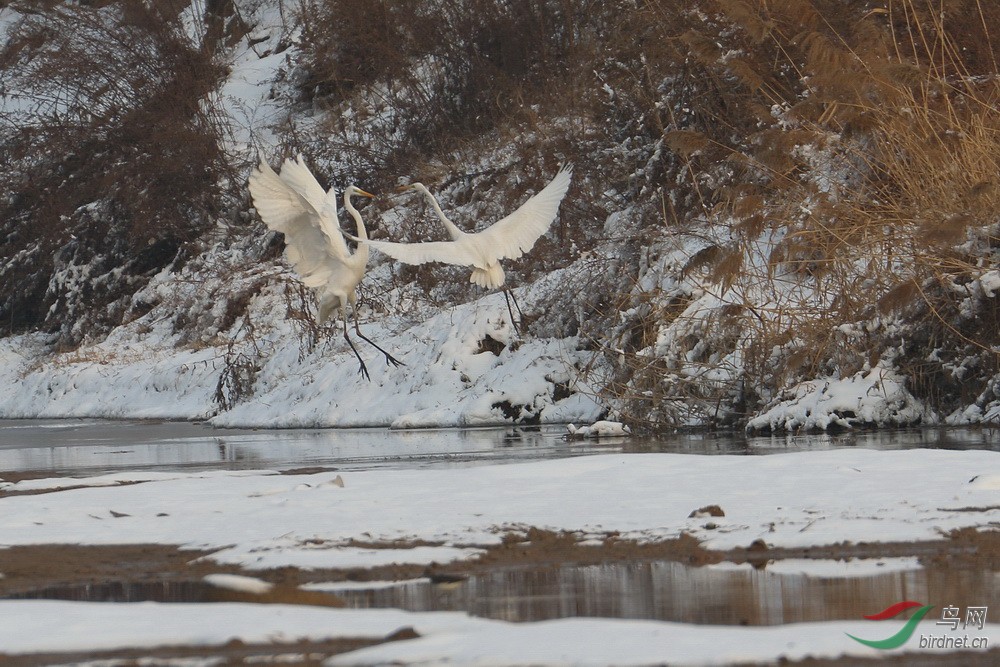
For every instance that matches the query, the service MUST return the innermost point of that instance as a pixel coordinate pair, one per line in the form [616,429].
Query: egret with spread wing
[295,204]
[508,238]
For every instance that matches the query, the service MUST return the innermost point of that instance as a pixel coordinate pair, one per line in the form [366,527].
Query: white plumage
[296,205]
[508,238]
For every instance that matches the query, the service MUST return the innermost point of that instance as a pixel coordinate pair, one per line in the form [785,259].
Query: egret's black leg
[507,295]
[520,314]
[364,369]
[389,359]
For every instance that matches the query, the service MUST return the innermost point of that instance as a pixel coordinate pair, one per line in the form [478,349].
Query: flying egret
[295,204]
[508,238]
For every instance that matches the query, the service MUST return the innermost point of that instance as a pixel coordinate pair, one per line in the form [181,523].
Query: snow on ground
[235,582]
[246,97]
[878,396]
[106,380]
[265,520]
[599,429]
[464,367]
[813,567]
[446,637]
[261,519]
[583,641]
[449,378]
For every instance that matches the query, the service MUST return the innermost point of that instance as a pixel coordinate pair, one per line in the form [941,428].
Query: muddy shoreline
[33,567]
[560,573]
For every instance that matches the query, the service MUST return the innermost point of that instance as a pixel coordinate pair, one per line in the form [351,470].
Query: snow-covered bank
[445,638]
[263,520]
[464,365]
[108,381]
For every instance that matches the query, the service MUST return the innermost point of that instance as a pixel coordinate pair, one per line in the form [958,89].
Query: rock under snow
[599,429]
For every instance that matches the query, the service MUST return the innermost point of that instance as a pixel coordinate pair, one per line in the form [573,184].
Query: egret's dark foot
[363,370]
[389,359]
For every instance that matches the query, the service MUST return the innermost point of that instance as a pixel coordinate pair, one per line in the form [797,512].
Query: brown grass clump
[408,80]
[862,149]
[911,224]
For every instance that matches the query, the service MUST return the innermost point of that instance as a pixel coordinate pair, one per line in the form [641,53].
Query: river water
[728,594]
[89,447]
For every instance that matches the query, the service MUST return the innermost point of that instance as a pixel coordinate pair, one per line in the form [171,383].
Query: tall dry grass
[861,206]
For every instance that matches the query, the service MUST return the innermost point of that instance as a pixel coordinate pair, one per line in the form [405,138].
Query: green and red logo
[904,634]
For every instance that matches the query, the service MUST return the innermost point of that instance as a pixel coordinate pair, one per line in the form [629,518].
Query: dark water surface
[780,592]
[668,591]
[671,591]
[89,447]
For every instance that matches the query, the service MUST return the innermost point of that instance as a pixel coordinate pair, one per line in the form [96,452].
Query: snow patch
[262,520]
[599,429]
[235,582]
[34,626]
[875,398]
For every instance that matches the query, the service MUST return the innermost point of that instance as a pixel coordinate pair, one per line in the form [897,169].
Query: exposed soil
[35,567]
[234,652]
[966,548]
[962,549]
[533,548]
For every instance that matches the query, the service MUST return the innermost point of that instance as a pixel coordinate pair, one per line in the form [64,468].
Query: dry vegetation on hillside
[858,202]
[113,161]
[765,192]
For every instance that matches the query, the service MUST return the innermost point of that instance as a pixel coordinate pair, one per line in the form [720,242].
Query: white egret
[508,238]
[295,204]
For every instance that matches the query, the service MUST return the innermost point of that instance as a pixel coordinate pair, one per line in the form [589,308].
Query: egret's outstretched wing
[446,252]
[279,206]
[297,175]
[515,234]
[285,210]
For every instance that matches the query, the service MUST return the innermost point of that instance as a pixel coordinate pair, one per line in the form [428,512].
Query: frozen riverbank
[325,521]
[259,519]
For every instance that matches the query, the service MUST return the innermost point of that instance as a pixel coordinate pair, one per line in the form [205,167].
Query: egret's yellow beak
[404,188]
[364,194]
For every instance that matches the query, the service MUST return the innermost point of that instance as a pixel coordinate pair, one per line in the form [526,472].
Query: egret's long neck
[453,230]
[360,257]
[362,232]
